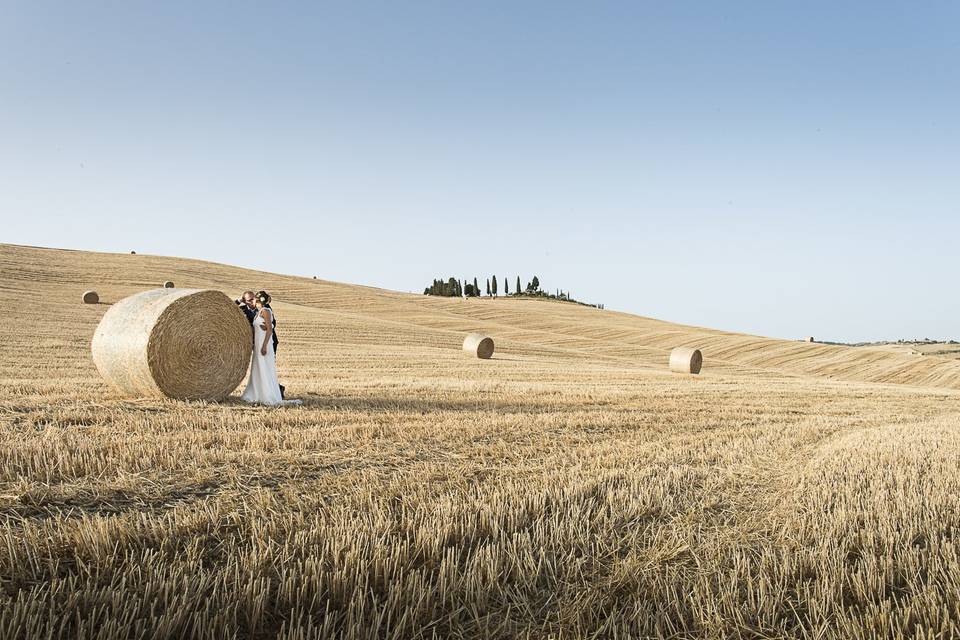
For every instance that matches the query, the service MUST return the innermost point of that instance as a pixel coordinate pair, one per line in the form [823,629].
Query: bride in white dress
[262,386]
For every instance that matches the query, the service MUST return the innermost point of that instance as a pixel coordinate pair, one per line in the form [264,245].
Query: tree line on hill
[455,288]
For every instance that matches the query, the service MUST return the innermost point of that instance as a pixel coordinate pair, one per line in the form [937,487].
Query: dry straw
[479,345]
[686,360]
[189,344]
[168,284]
[91,297]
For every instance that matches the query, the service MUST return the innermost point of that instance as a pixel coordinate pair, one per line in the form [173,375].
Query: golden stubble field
[570,487]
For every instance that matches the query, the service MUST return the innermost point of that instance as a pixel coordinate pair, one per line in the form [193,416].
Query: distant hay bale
[189,344]
[133,253]
[809,339]
[91,297]
[168,284]
[686,360]
[479,345]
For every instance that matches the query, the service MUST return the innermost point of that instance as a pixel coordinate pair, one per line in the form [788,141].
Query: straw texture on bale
[91,297]
[168,284]
[478,345]
[686,360]
[188,344]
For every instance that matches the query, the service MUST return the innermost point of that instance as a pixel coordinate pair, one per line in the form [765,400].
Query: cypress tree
[506,286]
[476,287]
[488,287]
[494,286]
[518,285]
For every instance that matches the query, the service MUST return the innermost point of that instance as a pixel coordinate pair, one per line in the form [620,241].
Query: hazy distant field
[569,487]
[939,349]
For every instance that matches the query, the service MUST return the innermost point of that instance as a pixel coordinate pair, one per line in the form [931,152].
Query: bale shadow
[373,404]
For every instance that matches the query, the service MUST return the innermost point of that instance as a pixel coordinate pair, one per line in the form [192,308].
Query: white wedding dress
[262,386]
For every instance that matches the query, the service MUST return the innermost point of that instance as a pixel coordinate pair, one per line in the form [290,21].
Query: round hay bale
[686,360]
[809,339]
[133,253]
[189,344]
[91,297]
[168,284]
[478,345]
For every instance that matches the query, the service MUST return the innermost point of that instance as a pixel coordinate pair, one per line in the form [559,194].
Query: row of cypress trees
[453,288]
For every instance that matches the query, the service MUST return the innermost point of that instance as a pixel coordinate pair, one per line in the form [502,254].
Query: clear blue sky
[775,168]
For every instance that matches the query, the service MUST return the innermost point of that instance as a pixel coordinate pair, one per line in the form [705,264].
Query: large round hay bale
[686,360]
[189,344]
[478,345]
[91,297]
[168,284]
[809,339]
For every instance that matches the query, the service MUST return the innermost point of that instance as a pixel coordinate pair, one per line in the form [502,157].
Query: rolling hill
[329,317]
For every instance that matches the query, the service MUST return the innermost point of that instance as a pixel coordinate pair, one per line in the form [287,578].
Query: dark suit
[247,311]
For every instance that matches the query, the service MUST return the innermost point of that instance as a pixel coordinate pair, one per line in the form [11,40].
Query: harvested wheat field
[570,486]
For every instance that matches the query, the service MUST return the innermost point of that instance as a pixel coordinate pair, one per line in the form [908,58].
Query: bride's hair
[263,297]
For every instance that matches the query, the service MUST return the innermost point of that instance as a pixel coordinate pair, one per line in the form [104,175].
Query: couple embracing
[262,386]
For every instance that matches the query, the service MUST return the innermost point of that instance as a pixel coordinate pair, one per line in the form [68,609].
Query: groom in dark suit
[245,302]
